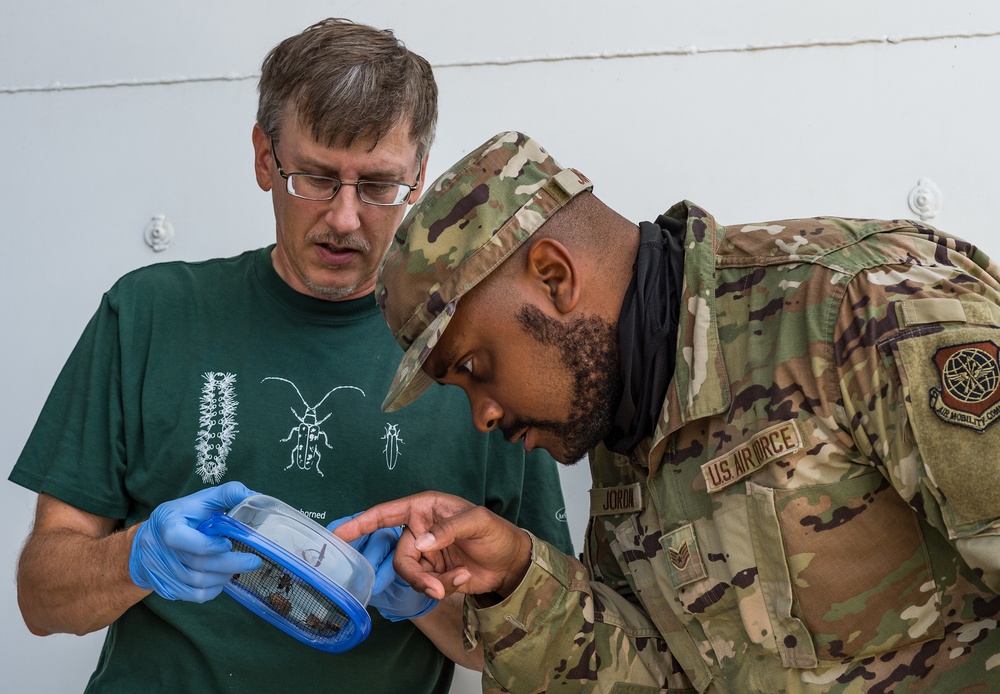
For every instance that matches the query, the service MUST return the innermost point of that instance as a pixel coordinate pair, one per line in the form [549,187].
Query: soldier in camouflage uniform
[814,503]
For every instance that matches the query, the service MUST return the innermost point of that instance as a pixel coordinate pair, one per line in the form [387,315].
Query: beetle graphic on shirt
[306,434]
[392,440]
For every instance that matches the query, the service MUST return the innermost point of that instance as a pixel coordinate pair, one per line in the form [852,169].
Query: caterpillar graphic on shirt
[216,425]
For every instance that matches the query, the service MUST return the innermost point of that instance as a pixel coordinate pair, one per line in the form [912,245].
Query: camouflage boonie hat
[470,219]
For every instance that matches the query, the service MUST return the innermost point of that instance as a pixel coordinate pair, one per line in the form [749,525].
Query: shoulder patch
[969,395]
[950,384]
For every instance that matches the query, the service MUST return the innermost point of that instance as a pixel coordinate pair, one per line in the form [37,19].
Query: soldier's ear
[553,271]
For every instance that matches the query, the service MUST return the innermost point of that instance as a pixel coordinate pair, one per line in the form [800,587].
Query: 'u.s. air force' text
[769,445]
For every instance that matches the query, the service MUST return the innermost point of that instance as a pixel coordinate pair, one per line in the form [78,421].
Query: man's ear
[552,266]
[415,194]
[262,158]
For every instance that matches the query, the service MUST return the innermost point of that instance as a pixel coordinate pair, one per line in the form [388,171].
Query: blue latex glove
[170,556]
[393,597]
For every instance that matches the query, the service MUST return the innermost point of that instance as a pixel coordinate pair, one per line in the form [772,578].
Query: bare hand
[449,545]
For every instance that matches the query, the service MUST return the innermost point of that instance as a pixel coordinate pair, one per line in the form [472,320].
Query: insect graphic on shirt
[217,427]
[392,441]
[307,433]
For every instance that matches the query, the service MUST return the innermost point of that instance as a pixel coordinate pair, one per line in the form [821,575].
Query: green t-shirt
[193,374]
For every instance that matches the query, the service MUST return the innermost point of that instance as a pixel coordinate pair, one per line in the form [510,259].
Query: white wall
[113,111]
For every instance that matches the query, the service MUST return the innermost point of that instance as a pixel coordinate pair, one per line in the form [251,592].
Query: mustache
[352,242]
[509,430]
[514,428]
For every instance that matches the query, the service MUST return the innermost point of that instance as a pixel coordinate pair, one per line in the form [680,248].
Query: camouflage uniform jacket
[818,509]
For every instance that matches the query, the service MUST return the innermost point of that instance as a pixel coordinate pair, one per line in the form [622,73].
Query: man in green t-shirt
[195,383]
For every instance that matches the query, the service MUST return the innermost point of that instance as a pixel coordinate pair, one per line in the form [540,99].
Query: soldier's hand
[449,544]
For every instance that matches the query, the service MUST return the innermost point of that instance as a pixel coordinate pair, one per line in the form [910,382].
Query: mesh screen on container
[293,599]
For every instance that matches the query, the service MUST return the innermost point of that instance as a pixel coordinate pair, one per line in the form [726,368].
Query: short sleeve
[76,450]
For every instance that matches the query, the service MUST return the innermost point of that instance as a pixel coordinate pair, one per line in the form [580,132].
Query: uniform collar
[700,387]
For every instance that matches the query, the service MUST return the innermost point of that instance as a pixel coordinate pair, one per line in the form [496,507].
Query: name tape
[607,501]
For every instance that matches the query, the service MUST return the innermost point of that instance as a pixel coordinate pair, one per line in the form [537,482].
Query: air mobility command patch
[969,395]
[951,391]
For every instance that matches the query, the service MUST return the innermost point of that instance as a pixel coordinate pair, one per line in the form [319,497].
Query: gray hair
[346,81]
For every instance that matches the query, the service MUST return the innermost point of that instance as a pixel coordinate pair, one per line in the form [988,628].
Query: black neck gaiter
[647,332]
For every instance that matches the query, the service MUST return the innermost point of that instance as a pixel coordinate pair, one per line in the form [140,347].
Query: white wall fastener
[926,199]
[159,233]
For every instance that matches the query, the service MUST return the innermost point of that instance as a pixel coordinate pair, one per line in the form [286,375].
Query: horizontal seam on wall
[674,52]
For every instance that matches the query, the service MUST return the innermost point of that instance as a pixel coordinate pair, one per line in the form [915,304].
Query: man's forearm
[443,625]
[74,580]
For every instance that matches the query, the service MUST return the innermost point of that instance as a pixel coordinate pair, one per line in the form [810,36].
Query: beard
[343,241]
[321,291]
[588,347]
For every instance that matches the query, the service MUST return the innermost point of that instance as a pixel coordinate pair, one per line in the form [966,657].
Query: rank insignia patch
[970,385]
[679,557]
[683,557]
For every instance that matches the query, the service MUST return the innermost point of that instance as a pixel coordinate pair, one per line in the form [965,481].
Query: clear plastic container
[309,541]
[312,585]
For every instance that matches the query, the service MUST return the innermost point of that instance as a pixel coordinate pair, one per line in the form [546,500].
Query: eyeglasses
[312,187]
